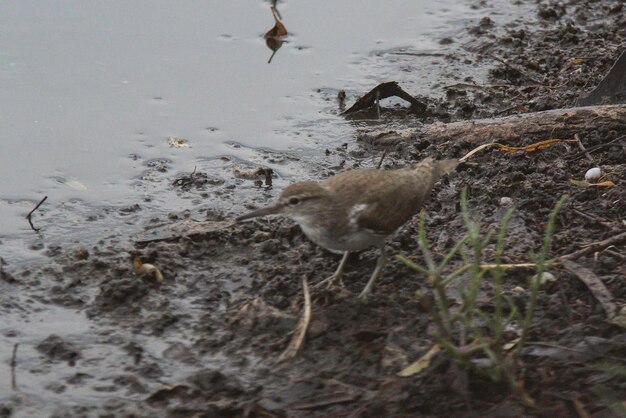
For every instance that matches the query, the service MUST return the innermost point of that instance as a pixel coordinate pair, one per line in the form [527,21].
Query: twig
[13,364]
[591,218]
[595,246]
[382,157]
[300,333]
[30,214]
[596,148]
[514,68]
[573,350]
[582,148]
[508,266]
[595,285]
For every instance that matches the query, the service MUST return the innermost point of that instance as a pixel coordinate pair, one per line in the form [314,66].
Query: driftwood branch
[557,123]
[382,91]
[30,214]
[596,246]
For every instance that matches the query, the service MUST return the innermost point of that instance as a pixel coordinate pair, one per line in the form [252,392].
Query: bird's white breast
[353,238]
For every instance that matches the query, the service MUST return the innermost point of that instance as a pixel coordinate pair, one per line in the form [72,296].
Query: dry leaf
[421,363]
[174,142]
[528,148]
[534,147]
[279,30]
[147,269]
[580,183]
[597,288]
[511,344]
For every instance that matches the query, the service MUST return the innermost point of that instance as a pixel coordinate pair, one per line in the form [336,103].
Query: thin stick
[298,339]
[595,246]
[582,148]
[597,147]
[573,350]
[30,214]
[519,70]
[382,157]
[13,364]
[508,266]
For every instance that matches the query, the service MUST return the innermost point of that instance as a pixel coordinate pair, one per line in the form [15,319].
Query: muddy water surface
[91,91]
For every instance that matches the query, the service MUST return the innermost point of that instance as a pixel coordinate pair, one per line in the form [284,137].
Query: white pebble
[545,279]
[593,174]
[506,201]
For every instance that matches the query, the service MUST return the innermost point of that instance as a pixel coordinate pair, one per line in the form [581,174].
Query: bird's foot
[365,293]
[330,282]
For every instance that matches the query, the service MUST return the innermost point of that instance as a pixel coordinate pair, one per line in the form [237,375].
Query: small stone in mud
[80,253]
[36,246]
[56,348]
[547,12]
[506,201]
[213,382]
[130,209]
[135,350]
[131,381]
[6,410]
[78,378]
[271,246]
[260,236]
[486,22]
[446,41]
[114,294]
[178,351]
[56,387]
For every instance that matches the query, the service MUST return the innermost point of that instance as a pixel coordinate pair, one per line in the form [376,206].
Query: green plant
[473,337]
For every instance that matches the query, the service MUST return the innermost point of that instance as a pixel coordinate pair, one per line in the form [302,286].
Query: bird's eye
[294,201]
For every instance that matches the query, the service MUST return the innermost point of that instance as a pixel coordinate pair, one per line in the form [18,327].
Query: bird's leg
[380,264]
[336,277]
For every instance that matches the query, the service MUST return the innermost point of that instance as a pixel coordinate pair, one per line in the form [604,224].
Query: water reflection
[275,37]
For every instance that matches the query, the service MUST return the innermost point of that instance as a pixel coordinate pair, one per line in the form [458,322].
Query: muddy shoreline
[206,341]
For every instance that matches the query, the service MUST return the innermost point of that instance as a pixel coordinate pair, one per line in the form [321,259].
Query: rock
[56,348]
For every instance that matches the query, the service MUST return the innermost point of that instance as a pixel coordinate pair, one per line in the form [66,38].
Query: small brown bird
[358,209]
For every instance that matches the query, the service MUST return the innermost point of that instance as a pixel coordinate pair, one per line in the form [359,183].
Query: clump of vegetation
[476,338]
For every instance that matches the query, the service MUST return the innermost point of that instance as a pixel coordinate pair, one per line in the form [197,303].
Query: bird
[357,209]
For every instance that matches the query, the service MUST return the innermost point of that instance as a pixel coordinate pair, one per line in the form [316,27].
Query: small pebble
[593,174]
[506,201]
[545,279]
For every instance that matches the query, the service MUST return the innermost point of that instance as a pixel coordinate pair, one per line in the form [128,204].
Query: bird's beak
[269,210]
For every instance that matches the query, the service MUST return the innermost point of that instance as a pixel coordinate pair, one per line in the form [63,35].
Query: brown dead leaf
[597,288]
[580,183]
[147,269]
[279,30]
[534,147]
[528,148]
[421,363]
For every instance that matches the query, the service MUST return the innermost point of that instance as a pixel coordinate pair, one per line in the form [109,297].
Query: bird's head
[297,201]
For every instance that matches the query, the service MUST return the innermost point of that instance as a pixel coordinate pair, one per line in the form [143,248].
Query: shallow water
[91,91]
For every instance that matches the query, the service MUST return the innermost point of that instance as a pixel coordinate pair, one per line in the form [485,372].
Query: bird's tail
[430,170]
[443,167]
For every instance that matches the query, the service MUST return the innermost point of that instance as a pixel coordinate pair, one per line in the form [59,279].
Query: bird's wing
[393,205]
[396,200]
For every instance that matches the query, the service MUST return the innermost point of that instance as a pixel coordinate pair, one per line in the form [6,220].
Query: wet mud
[206,341]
